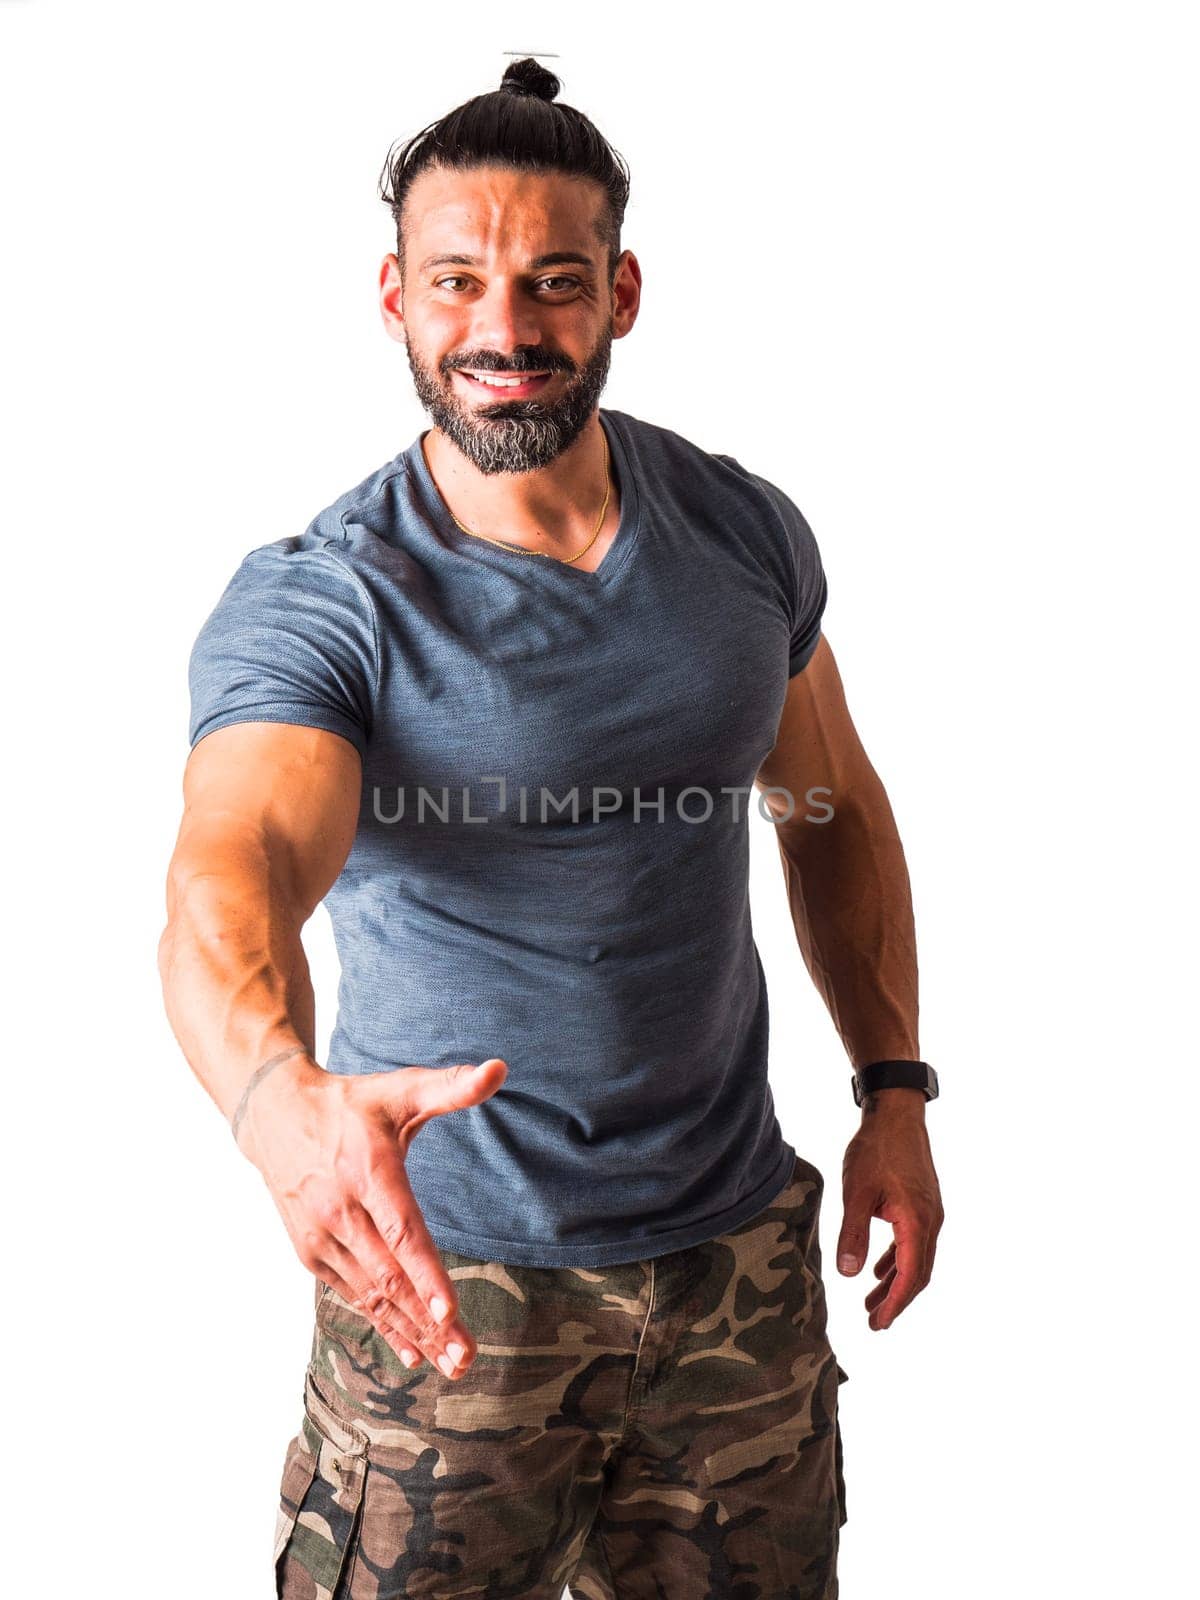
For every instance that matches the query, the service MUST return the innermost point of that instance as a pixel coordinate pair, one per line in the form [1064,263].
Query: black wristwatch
[894,1075]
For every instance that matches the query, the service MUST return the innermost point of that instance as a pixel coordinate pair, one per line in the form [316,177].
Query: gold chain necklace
[545,554]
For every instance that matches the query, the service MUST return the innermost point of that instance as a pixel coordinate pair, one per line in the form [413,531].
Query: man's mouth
[516,385]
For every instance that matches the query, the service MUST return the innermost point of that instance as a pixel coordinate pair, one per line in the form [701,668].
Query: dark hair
[516,126]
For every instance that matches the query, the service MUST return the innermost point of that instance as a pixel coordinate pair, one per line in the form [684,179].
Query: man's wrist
[894,1102]
[281,1067]
[896,1072]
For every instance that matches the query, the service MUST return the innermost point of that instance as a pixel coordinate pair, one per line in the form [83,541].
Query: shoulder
[654,444]
[782,509]
[334,550]
[782,517]
[312,567]
[662,447]
[716,484]
[370,506]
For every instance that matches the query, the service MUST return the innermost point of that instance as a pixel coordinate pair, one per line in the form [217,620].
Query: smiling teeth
[504,383]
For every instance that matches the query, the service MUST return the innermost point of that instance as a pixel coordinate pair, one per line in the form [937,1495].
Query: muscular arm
[270,812]
[847,881]
[851,904]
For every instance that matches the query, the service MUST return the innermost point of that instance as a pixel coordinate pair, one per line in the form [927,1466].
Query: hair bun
[529,77]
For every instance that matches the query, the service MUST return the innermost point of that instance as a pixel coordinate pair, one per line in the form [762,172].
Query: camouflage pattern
[663,1428]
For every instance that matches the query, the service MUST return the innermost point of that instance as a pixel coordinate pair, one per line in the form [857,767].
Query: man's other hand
[888,1172]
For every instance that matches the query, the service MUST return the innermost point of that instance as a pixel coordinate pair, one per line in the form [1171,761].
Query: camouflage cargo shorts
[664,1428]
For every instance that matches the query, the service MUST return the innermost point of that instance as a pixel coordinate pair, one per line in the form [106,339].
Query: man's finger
[387,1328]
[397,1281]
[856,1231]
[417,1094]
[395,1215]
[345,1276]
[399,1327]
[910,1268]
[880,1292]
[886,1262]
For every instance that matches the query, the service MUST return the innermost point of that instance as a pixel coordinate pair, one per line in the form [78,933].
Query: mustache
[504,365]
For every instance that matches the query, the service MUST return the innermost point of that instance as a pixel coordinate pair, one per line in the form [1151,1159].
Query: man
[503,706]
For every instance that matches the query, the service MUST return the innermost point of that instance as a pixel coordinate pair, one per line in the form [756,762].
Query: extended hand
[331,1150]
[888,1172]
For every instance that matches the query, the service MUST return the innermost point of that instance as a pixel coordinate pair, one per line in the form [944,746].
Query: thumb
[855,1236]
[429,1091]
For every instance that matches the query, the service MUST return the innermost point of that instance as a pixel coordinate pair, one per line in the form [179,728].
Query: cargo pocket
[320,1500]
[839,1474]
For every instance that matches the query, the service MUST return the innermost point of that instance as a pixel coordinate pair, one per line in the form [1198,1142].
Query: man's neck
[553,510]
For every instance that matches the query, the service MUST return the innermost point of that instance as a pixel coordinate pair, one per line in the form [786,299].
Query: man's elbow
[827,814]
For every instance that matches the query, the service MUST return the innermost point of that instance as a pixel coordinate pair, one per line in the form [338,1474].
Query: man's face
[502,308]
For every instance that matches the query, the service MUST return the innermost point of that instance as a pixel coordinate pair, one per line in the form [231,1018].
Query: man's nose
[503,321]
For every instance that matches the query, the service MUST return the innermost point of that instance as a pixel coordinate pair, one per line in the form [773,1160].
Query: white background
[933,269]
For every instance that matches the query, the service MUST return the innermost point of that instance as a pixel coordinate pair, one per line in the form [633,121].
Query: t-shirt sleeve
[808,590]
[293,638]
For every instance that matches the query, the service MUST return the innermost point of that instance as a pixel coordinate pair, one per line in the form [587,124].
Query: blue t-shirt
[570,891]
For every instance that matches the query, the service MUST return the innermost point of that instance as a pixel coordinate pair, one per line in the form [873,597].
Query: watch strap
[894,1075]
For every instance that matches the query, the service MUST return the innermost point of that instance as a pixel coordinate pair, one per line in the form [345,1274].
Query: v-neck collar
[615,557]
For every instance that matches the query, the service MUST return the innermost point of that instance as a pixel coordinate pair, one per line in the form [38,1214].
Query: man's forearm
[235,977]
[851,904]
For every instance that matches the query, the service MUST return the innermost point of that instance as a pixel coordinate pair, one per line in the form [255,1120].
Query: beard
[512,435]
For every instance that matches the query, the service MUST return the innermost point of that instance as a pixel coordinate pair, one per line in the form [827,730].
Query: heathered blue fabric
[606,955]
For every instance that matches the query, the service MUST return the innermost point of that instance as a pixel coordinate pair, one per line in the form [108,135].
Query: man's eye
[564,279]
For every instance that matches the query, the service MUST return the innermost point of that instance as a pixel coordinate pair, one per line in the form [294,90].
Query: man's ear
[391,299]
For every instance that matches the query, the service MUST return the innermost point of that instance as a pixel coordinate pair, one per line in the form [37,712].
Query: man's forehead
[514,213]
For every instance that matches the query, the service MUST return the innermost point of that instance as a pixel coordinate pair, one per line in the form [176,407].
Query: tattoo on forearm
[284,1055]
